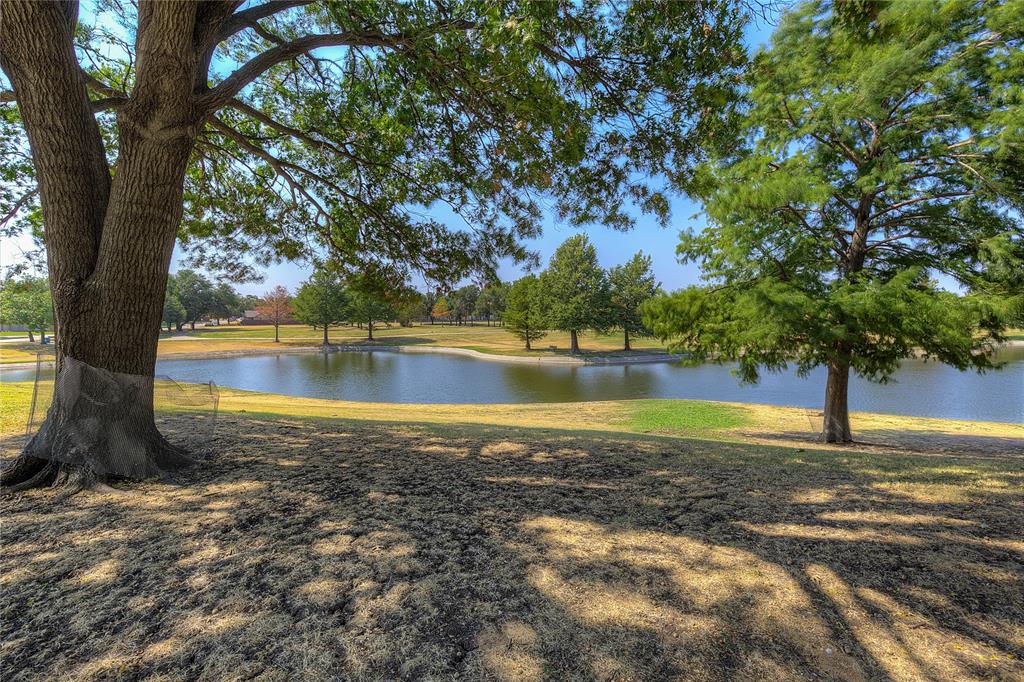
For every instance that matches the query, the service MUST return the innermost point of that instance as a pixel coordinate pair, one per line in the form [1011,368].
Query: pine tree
[523,314]
[575,290]
[631,285]
[880,148]
[321,302]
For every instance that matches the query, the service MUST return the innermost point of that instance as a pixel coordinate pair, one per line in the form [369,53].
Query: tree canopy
[276,307]
[26,301]
[366,306]
[321,302]
[575,290]
[631,284]
[878,150]
[322,125]
[524,314]
[490,304]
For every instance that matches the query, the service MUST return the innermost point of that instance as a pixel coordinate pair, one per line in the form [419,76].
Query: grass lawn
[483,542]
[478,336]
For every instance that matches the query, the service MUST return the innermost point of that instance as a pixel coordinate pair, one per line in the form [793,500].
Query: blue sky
[613,247]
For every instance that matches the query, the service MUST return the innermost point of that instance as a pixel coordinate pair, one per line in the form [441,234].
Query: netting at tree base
[118,424]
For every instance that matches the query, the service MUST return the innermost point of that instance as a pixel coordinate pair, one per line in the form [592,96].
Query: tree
[27,302]
[462,302]
[250,302]
[490,304]
[575,290]
[408,306]
[225,302]
[440,309]
[631,285]
[523,314]
[321,302]
[427,301]
[367,307]
[276,307]
[276,130]
[174,312]
[875,157]
[196,293]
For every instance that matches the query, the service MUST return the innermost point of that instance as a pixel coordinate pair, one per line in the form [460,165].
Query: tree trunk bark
[277,336]
[836,426]
[528,340]
[326,341]
[31,337]
[369,330]
[625,346]
[574,343]
[109,239]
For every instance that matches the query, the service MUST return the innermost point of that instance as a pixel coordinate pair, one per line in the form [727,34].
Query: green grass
[493,339]
[15,400]
[683,416]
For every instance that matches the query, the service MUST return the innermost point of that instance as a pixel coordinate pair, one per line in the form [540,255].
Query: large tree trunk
[574,343]
[625,346]
[31,337]
[326,341]
[369,330]
[109,241]
[528,340]
[836,426]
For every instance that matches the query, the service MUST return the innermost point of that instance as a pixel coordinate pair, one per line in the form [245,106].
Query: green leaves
[484,111]
[870,163]
[321,301]
[575,288]
[524,310]
[26,301]
[630,285]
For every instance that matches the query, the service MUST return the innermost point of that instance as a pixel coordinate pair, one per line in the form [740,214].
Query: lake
[919,388]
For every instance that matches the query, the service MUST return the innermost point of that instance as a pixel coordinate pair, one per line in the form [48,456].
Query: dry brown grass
[329,549]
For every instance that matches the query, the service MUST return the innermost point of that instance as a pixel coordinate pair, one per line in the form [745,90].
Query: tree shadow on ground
[356,550]
[906,440]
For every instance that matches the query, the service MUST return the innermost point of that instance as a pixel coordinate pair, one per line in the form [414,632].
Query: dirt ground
[326,549]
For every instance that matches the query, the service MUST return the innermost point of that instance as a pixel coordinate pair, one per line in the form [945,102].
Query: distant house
[253,317]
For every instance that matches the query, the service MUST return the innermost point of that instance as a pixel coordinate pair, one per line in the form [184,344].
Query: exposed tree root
[30,471]
[33,473]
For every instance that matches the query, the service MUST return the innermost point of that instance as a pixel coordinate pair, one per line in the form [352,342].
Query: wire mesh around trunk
[108,412]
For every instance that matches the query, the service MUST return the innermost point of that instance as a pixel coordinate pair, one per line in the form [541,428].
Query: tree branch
[259,64]
[246,18]
[18,205]
[917,200]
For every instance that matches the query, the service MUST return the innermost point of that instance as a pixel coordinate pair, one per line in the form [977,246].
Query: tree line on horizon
[573,294]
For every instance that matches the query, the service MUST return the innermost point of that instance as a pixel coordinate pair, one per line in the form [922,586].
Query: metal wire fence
[102,407]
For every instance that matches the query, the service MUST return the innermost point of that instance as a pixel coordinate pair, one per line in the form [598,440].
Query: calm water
[922,389]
